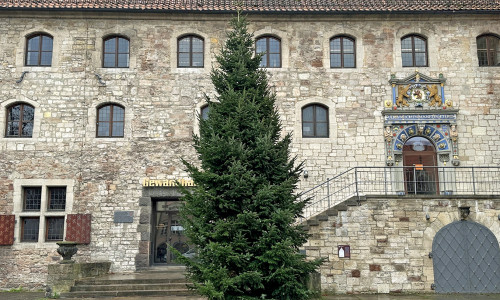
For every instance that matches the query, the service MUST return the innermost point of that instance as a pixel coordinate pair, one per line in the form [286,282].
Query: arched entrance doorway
[466,259]
[420,166]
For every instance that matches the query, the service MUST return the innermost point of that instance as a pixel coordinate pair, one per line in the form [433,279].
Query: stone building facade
[122,181]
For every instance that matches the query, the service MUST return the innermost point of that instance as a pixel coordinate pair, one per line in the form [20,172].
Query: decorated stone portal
[419,110]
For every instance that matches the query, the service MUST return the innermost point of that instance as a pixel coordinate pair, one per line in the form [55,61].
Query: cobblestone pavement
[40,296]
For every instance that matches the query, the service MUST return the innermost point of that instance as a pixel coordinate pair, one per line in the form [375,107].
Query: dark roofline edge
[250,12]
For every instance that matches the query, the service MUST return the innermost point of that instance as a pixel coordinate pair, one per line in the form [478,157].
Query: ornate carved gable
[418,91]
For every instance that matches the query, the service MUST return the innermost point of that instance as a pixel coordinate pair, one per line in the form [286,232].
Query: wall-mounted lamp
[306,174]
[427,217]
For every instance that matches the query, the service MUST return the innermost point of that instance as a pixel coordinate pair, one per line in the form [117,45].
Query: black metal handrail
[407,180]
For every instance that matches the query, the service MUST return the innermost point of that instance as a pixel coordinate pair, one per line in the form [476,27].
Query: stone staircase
[162,281]
[332,212]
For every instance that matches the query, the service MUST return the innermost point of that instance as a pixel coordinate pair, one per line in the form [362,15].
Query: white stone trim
[332,123]
[92,120]
[432,55]
[20,142]
[358,48]
[285,45]
[207,61]
[19,184]
[21,49]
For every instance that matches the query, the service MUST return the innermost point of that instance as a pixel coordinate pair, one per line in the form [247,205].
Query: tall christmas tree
[242,211]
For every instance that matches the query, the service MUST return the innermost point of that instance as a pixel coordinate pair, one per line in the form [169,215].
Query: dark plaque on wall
[122,216]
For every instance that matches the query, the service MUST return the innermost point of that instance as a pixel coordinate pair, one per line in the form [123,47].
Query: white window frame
[43,213]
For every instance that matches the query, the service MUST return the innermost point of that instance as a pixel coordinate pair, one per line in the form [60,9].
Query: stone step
[129,287]
[133,293]
[97,281]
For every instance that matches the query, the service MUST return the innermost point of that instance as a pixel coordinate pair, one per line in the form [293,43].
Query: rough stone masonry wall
[161,102]
[390,241]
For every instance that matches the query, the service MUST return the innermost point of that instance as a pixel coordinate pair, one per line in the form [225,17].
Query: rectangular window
[57,198]
[29,229]
[54,229]
[32,198]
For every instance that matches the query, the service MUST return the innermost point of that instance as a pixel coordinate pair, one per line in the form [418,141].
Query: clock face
[418,146]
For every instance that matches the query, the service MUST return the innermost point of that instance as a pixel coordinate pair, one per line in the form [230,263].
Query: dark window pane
[103,129]
[197,45]
[110,46]
[261,46]
[307,129]
[39,51]
[32,58]
[123,45]
[420,60]
[32,198]
[348,46]
[197,60]
[406,45]
[34,44]
[29,231]
[349,61]
[263,62]
[46,43]
[335,46]
[118,113]
[315,121]
[12,128]
[46,59]
[55,229]
[183,59]
[307,114]
[123,60]
[15,113]
[481,43]
[483,58]
[184,45]
[274,45]
[407,59]
[117,129]
[321,129]
[27,129]
[110,117]
[274,61]
[104,113]
[109,60]
[28,113]
[335,61]
[320,114]
[419,45]
[57,198]
[204,112]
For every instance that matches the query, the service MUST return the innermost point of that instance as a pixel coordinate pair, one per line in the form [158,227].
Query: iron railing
[411,180]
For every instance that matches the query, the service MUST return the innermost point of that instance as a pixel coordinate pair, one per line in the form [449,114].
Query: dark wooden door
[420,167]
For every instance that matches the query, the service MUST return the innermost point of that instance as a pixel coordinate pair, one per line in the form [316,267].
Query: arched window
[116,53]
[110,121]
[190,51]
[39,50]
[488,50]
[414,51]
[20,119]
[204,112]
[342,52]
[315,121]
[271,49]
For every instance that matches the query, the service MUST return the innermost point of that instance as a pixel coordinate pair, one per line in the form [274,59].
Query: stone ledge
[62,277]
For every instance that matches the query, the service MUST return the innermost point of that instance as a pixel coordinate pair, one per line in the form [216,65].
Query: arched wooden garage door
[466,259]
